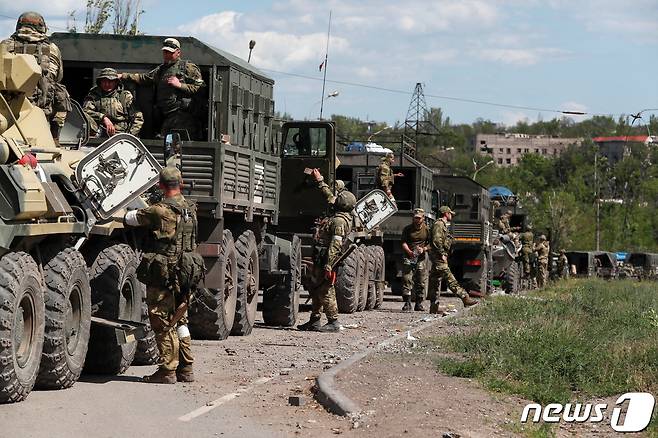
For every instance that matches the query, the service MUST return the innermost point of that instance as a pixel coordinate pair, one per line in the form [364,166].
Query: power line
[49,27]
[438,96]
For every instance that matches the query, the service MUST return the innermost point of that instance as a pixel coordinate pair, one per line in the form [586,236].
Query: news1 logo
[637,418]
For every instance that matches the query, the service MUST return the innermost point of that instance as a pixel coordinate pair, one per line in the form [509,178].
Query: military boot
[312,325]
[468,301]
[185,374]
[161,376]
[419,306]
[330,327]
[407,303]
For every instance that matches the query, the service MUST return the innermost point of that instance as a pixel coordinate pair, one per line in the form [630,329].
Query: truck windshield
[305,141]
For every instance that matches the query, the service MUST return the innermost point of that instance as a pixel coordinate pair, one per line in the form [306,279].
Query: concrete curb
[332,398]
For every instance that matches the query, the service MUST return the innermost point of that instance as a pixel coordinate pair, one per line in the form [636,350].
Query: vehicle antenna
[326,57]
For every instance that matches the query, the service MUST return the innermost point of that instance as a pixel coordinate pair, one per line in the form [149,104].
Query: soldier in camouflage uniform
[50,95]
[527,240]
[503,224]
[176,81]
[327,248]
[111,107]
[415,241]
[563,265]
[172,223]
[385,175]
[542,252]
[440,244]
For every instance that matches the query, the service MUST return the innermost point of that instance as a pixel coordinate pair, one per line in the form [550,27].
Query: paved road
[242,388]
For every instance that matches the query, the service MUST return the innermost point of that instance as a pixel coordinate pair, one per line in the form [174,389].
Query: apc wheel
[380,275]
[373,276]
[513,279]
[118,293]
[348,278]
[281,303]
[68,317]
[147,348]
[248,284]
[22,323]
[366,267]
[213,311]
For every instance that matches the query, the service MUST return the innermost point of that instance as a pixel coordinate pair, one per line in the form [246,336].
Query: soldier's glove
[330,276]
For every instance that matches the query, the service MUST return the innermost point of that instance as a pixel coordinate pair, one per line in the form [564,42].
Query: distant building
[617,148]
[507,149]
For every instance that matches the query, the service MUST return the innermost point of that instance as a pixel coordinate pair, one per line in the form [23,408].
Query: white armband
[338,238]
[131,218]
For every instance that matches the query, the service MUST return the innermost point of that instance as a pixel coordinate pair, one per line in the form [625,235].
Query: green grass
[579,339]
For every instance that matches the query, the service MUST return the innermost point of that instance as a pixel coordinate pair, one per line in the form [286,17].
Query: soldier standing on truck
[173,224]
[112,108]
[527,240]
[50,95]
[542,252]
[385,175]
[503,224]
[415,241]
[327,249]
[176,82]
[440,244]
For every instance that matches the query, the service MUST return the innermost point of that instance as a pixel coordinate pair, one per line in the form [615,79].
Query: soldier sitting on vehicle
[111,108]
[415,242]
[176,82]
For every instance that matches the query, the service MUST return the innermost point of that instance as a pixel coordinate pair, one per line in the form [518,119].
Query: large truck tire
[212,312]
[365,276]
[380,275]
[118,294]
[22,321]
[281,303]
[348,279]
[248,284]
[513,279]
[372,277]
[68,318]
[147,348]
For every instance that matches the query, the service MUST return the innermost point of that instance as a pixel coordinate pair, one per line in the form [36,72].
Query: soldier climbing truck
[69,296]
[256,206]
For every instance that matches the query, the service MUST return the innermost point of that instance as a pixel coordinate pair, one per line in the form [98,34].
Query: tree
[98,11]
[126,17]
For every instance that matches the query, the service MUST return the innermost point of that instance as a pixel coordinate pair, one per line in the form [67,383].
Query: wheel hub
[24,330]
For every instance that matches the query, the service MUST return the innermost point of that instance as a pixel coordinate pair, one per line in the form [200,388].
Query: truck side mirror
[173,150]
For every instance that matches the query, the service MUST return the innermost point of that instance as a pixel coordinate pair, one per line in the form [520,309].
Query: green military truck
[257,207]
[358,170]
[69,295]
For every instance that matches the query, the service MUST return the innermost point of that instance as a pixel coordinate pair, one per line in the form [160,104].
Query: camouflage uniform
[503,225]
[50,95]
[414,274]
[527,239]
[563,265]
[439,248]
[161,253]
[174,104]
[542,250]
[117,105]
[385,175]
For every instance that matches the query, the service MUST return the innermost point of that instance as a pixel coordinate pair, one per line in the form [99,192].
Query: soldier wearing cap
[415,241]
[440,244]
[172,223]
[542,251]
[176,81]
[111,108]
[50,95]
[385,176]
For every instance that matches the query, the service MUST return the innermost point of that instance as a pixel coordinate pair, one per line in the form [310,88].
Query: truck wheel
[22,324]
[484,278]
[347,283]
[368,268]
[281,303]
[513,279]
[248,285]
[68,317]
[147,348]
[118,295]
[380,275]
[213,311]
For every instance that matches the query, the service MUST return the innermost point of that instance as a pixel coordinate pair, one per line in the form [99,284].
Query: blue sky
[597,56]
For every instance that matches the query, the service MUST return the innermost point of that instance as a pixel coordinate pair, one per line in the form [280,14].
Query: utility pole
[598,200]
[417,122]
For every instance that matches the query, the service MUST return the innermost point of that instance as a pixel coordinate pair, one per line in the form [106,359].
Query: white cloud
[511,118]
[522,57]
[44,7]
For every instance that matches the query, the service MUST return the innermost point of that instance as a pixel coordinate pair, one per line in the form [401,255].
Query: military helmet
[108,73]
[542,237]
[345,201]
[32,20]
[340,185]
[170,175]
